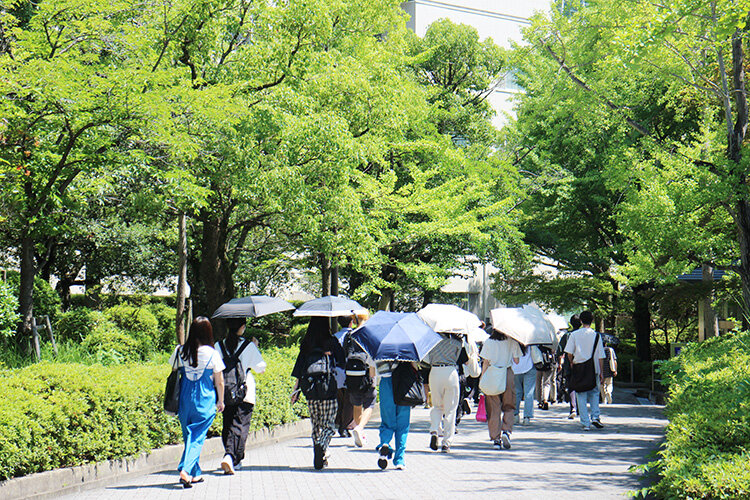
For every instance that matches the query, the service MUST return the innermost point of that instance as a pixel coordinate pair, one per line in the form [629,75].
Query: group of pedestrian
[339,378]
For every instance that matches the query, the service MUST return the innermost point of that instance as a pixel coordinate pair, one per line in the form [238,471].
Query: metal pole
[51,335]
[632,375]
[35,338]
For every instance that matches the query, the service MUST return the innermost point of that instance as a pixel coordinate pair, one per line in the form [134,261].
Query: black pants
[345,413]
[234,430]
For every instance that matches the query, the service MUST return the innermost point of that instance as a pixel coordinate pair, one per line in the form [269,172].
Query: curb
[54,483]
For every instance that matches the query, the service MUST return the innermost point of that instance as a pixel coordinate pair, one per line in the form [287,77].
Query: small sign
[675,348]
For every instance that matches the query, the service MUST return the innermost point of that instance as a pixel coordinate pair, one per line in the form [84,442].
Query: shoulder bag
[583,375]
[172,390]
[493,380]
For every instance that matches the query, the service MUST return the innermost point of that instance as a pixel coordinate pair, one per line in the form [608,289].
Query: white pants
[444,389]
[606,390]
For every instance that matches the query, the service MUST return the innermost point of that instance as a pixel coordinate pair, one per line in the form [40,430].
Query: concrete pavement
[551,458]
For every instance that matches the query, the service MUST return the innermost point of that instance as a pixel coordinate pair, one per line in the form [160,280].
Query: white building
[501,20]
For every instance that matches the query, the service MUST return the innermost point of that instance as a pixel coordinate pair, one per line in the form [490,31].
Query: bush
[9,316]
[75,325]
[46,300]
[62,415]
[110,345]
[708,437]
[166,317]
[137,322]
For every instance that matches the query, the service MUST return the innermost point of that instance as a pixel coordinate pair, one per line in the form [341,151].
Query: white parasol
[527,325]
[447,318]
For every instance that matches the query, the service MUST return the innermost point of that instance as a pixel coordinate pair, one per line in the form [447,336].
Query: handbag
[407,386]
[493,380]
[481,413]
[172,390]
[583,375]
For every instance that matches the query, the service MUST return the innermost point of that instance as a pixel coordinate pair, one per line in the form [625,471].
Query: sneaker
[497,444]
[434,442]
[385,453]
[597,424]
[572,415]
[506,440]
[526,421]
[445,449]
[357,437]
[545,406]
[586,427]
[400,466]
[344,433]
[465,406]
[318,457]
[227,466]
[326,456]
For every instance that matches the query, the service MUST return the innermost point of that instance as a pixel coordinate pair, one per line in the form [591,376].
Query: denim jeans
[592,398]
[525,385]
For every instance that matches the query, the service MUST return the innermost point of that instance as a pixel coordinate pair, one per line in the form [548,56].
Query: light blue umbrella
[394,336]
[330,306]
[254,306]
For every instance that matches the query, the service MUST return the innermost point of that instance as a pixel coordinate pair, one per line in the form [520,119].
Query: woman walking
[394,419]
[500,351]
[239,355]
[319,354]
[200,383]
[525,382]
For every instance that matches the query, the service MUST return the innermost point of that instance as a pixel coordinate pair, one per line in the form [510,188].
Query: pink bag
[481,412]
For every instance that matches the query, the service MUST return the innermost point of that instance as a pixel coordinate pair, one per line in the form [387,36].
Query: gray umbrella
[330,306]
[252,307]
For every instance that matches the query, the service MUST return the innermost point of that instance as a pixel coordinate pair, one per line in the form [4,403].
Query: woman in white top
[201,381]
[500,351]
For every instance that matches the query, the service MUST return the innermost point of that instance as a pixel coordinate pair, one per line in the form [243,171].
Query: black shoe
[545,406]
[465,406]
[385,452]
[185,483]
[597,424]
[434,442]
[318,460]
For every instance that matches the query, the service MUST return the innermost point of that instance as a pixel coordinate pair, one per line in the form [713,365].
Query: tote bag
[481,410]
[407,386]
[492,382]
[172,390]
[583,375]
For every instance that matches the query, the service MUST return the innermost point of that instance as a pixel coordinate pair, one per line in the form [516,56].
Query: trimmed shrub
[137,322]
[76,324]
[9,316]
[707,452]
[62,415]
[166,317]
[46,300]
[109,345]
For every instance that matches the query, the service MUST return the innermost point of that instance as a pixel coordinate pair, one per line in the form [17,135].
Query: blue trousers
[525,386]
[592,398]
[196,414]
[394,420]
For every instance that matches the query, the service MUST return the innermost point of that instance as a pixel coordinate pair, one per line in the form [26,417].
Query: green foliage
[46,300]
[108,344]
[62,415]
[708,437]
[76,324]
[138,323]
[166,318]
[9,316]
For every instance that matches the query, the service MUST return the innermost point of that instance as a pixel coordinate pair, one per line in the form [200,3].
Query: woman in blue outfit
[394,419]
[202,379]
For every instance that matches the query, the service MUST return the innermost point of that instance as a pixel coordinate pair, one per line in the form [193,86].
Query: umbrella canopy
[527,325]
[446,318]
[610,339]
[557,321]
[393,336]
[252,307]
[477,335]
[330,306]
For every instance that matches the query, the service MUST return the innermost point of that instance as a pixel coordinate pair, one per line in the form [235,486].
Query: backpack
[318,382]
[235,387]
[547,361]
[358,379]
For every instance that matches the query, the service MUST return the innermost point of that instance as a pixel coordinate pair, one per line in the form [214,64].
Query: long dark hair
[318,331]
[200,334]
[233,326]
[498,335]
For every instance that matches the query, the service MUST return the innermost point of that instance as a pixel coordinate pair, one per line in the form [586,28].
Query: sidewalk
[551,457]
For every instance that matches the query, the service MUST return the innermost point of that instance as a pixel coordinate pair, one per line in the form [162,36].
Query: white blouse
[208,359]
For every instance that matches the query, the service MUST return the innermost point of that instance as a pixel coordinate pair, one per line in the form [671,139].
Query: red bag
[481,412]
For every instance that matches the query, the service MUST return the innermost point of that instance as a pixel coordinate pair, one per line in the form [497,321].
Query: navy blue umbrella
[393,336]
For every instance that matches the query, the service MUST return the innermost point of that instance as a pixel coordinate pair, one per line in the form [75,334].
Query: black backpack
[358,379]
[235,387]
[548,359]
[318,381]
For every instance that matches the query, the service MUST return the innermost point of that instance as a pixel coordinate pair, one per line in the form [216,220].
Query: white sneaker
[227,466]
[586,427]
[526,421]
[357,437]
[400,466]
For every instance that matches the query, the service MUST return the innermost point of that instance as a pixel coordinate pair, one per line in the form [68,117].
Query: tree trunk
[325,276]
[710,321]
[642,321]
[182,279]
[26,291]
[386,301]
[215,278]
[334,280]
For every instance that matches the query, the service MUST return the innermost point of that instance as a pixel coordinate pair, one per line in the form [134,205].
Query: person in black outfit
[319,347]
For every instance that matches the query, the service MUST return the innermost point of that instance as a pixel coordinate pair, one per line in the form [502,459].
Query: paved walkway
[551,458]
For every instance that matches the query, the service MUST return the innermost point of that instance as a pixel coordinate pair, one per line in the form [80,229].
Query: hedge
[707,450]
[61,415]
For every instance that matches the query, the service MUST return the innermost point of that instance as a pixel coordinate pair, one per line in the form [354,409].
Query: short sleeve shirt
[581,343]
[500,353]
[208,359]
[251,359]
